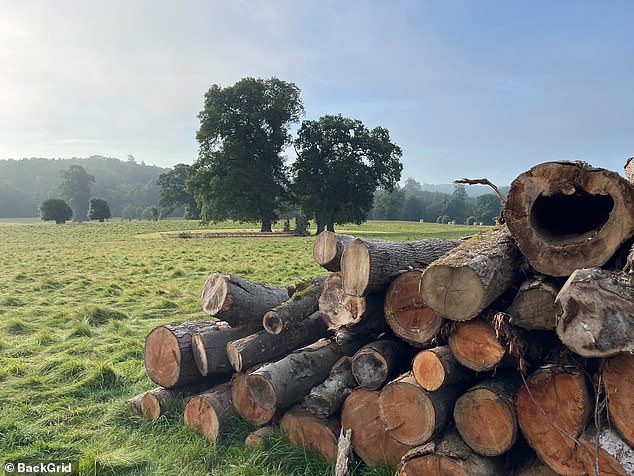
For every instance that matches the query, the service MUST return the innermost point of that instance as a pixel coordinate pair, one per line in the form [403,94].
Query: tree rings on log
[438,367]
[476,345]
[302,427]
[328,248]
[245,404]
[569,215]
[618,380]
[407,314]
[210,412]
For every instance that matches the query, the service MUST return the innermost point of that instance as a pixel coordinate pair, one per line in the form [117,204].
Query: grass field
[76,302]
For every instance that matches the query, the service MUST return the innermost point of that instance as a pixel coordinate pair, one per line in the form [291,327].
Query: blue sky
[467,89]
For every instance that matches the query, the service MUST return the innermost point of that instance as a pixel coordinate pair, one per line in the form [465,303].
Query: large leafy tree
[55,209]
[340,163]
[240,171]
[75,189]
[487,208]
[174,193]
[99,210]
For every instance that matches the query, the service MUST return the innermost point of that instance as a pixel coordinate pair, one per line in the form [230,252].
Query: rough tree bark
[569,215]
[370,440]
[303,303]
[210,347]
[328,249]
[377,361]
[326,399]
[168,355]
[485,415]
[463,282]
[302,427]
[238,301]
[210,412]
[534,304]
[368,266]
[412,415]
[596,313]
[286,382]
[450,456]
[264,347]
[407,314]
[553,407]
[438,367]
[618,378]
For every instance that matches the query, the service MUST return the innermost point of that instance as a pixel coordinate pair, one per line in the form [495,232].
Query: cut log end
[370,369]
[328,248]
[433,465]
[302,427]
[618,378]
[454,292]
[163,357]
[482,407]
[235,358]
[246,406]
[215,294]
[428,370]
[200,354]
[262,390]
[272,323]
[356,257]
[150,406]
[476,346]
[200,414]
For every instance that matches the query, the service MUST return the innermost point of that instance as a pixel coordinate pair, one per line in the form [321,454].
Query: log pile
[507,353]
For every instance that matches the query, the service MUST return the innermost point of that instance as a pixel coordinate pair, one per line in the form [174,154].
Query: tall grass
[76,302]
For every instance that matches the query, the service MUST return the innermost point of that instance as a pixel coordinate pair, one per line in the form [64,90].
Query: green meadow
[76,302]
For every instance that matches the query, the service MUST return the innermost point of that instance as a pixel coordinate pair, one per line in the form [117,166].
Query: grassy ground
[76,302]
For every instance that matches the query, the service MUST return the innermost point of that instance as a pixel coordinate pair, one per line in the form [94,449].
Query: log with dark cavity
[286,382]
[569,215]
[407,314]
[210,412]
[463,282]
[485,415]
[210,347]
[596,313]
[326,398]
[238,301]
[438,367]
[169,359]
[303,428]
[370,265]
[379,360]
[264,347]
[449,456]
[370,440]
[328,248]
[303,303]
[412,415]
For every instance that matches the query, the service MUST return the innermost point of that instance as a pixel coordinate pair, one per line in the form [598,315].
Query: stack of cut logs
[507,353]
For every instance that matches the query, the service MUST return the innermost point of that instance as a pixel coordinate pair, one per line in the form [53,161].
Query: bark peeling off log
[569,215]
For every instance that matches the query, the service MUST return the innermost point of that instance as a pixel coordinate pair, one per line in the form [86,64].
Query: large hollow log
[412,415]
[614,456]
[370,265]
[370,440]
[534,304]
[245,404]
[303,428]
[377,361]
[210,412]
[168,355]
[449,457]
[407,314]
[328,248]
[238,301]
[596,313]
[438,367]
[286,382]
[264,347]
[210,347]
[485,415]
[303,303]
[326,398]
[476,345]
[553,407]
[463,282]
[569,215]
[618,379]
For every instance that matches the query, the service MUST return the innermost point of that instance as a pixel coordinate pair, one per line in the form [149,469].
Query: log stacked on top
[482,356]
